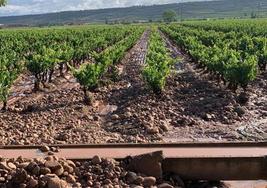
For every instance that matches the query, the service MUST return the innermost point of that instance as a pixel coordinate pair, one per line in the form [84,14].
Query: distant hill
[189,10]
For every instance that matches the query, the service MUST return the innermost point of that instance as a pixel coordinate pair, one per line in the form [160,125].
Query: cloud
[21,7]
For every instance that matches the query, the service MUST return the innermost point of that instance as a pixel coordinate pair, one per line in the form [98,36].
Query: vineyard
[201,80]
[73,97]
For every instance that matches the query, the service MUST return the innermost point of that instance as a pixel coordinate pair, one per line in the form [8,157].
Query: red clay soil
[193,107]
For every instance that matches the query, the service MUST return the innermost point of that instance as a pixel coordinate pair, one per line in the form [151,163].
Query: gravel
[53,172]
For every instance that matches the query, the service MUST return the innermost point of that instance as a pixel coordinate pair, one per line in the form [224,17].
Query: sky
[23,7]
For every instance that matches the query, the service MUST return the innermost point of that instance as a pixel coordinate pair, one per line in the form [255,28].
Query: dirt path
[210,111]
[126,95]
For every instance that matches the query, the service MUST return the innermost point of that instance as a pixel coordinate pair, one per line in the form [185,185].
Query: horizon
[35,7]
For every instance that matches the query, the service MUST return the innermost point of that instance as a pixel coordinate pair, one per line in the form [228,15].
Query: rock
[96,160]
[149,164]
[20,176]
[243,98]
[53,165]
[153,130]
[22,185]
[131,177]
[11,166]
[55,149]
[139,180]
[23,165]
[107,181]
[164,125]
[68,168]
[59,170]
[240,111]
[36,170]
[4,166]
[50,153]
[32,183]
[115,117]
[128,114]
[208,117]
[70,179]
[45,171]
[45,149]
[71,163]
[165,185]
[53,181]
[149,181]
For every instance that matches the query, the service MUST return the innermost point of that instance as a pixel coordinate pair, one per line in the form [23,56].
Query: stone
[165,185]
[52,164]
[2,179]
[96,160]
[107,181]
[59,170]
[20,176]
[131,177]
[36,170]
[139,180]
[153,130]
[164,125]
[240,111]
[149,164]
[115,117]
[208,117]
[22,185]
[4,166]
[45,170]
[70,179]
[149,181]
[32,183]
[11,166]
[53,181]
[68,168]
[45,149]
[243,98]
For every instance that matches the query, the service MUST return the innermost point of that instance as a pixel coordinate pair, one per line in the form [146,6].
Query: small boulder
[240,111]
[149,181]
[96,160]
[45,149]
[153,130]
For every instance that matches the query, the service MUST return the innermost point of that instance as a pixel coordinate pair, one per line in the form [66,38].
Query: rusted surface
[119,151]
[216,161]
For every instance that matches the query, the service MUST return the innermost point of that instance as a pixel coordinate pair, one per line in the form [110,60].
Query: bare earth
[194,107]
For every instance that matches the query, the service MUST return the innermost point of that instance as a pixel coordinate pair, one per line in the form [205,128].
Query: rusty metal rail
[194,161]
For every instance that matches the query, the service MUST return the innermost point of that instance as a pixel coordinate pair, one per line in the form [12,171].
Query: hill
[189,10]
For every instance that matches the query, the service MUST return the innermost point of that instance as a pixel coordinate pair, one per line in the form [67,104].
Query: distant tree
[2,2]
[253,15]
[106,21]
[169,16]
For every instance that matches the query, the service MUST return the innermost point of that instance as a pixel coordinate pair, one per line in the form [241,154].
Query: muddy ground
[193,107]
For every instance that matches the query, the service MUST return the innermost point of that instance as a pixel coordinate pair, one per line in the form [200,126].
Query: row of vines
[233,57]
[42,51]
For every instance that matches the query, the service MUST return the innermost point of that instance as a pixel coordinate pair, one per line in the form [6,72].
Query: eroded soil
[193,107]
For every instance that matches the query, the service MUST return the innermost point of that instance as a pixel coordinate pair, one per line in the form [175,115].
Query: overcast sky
[21,7]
